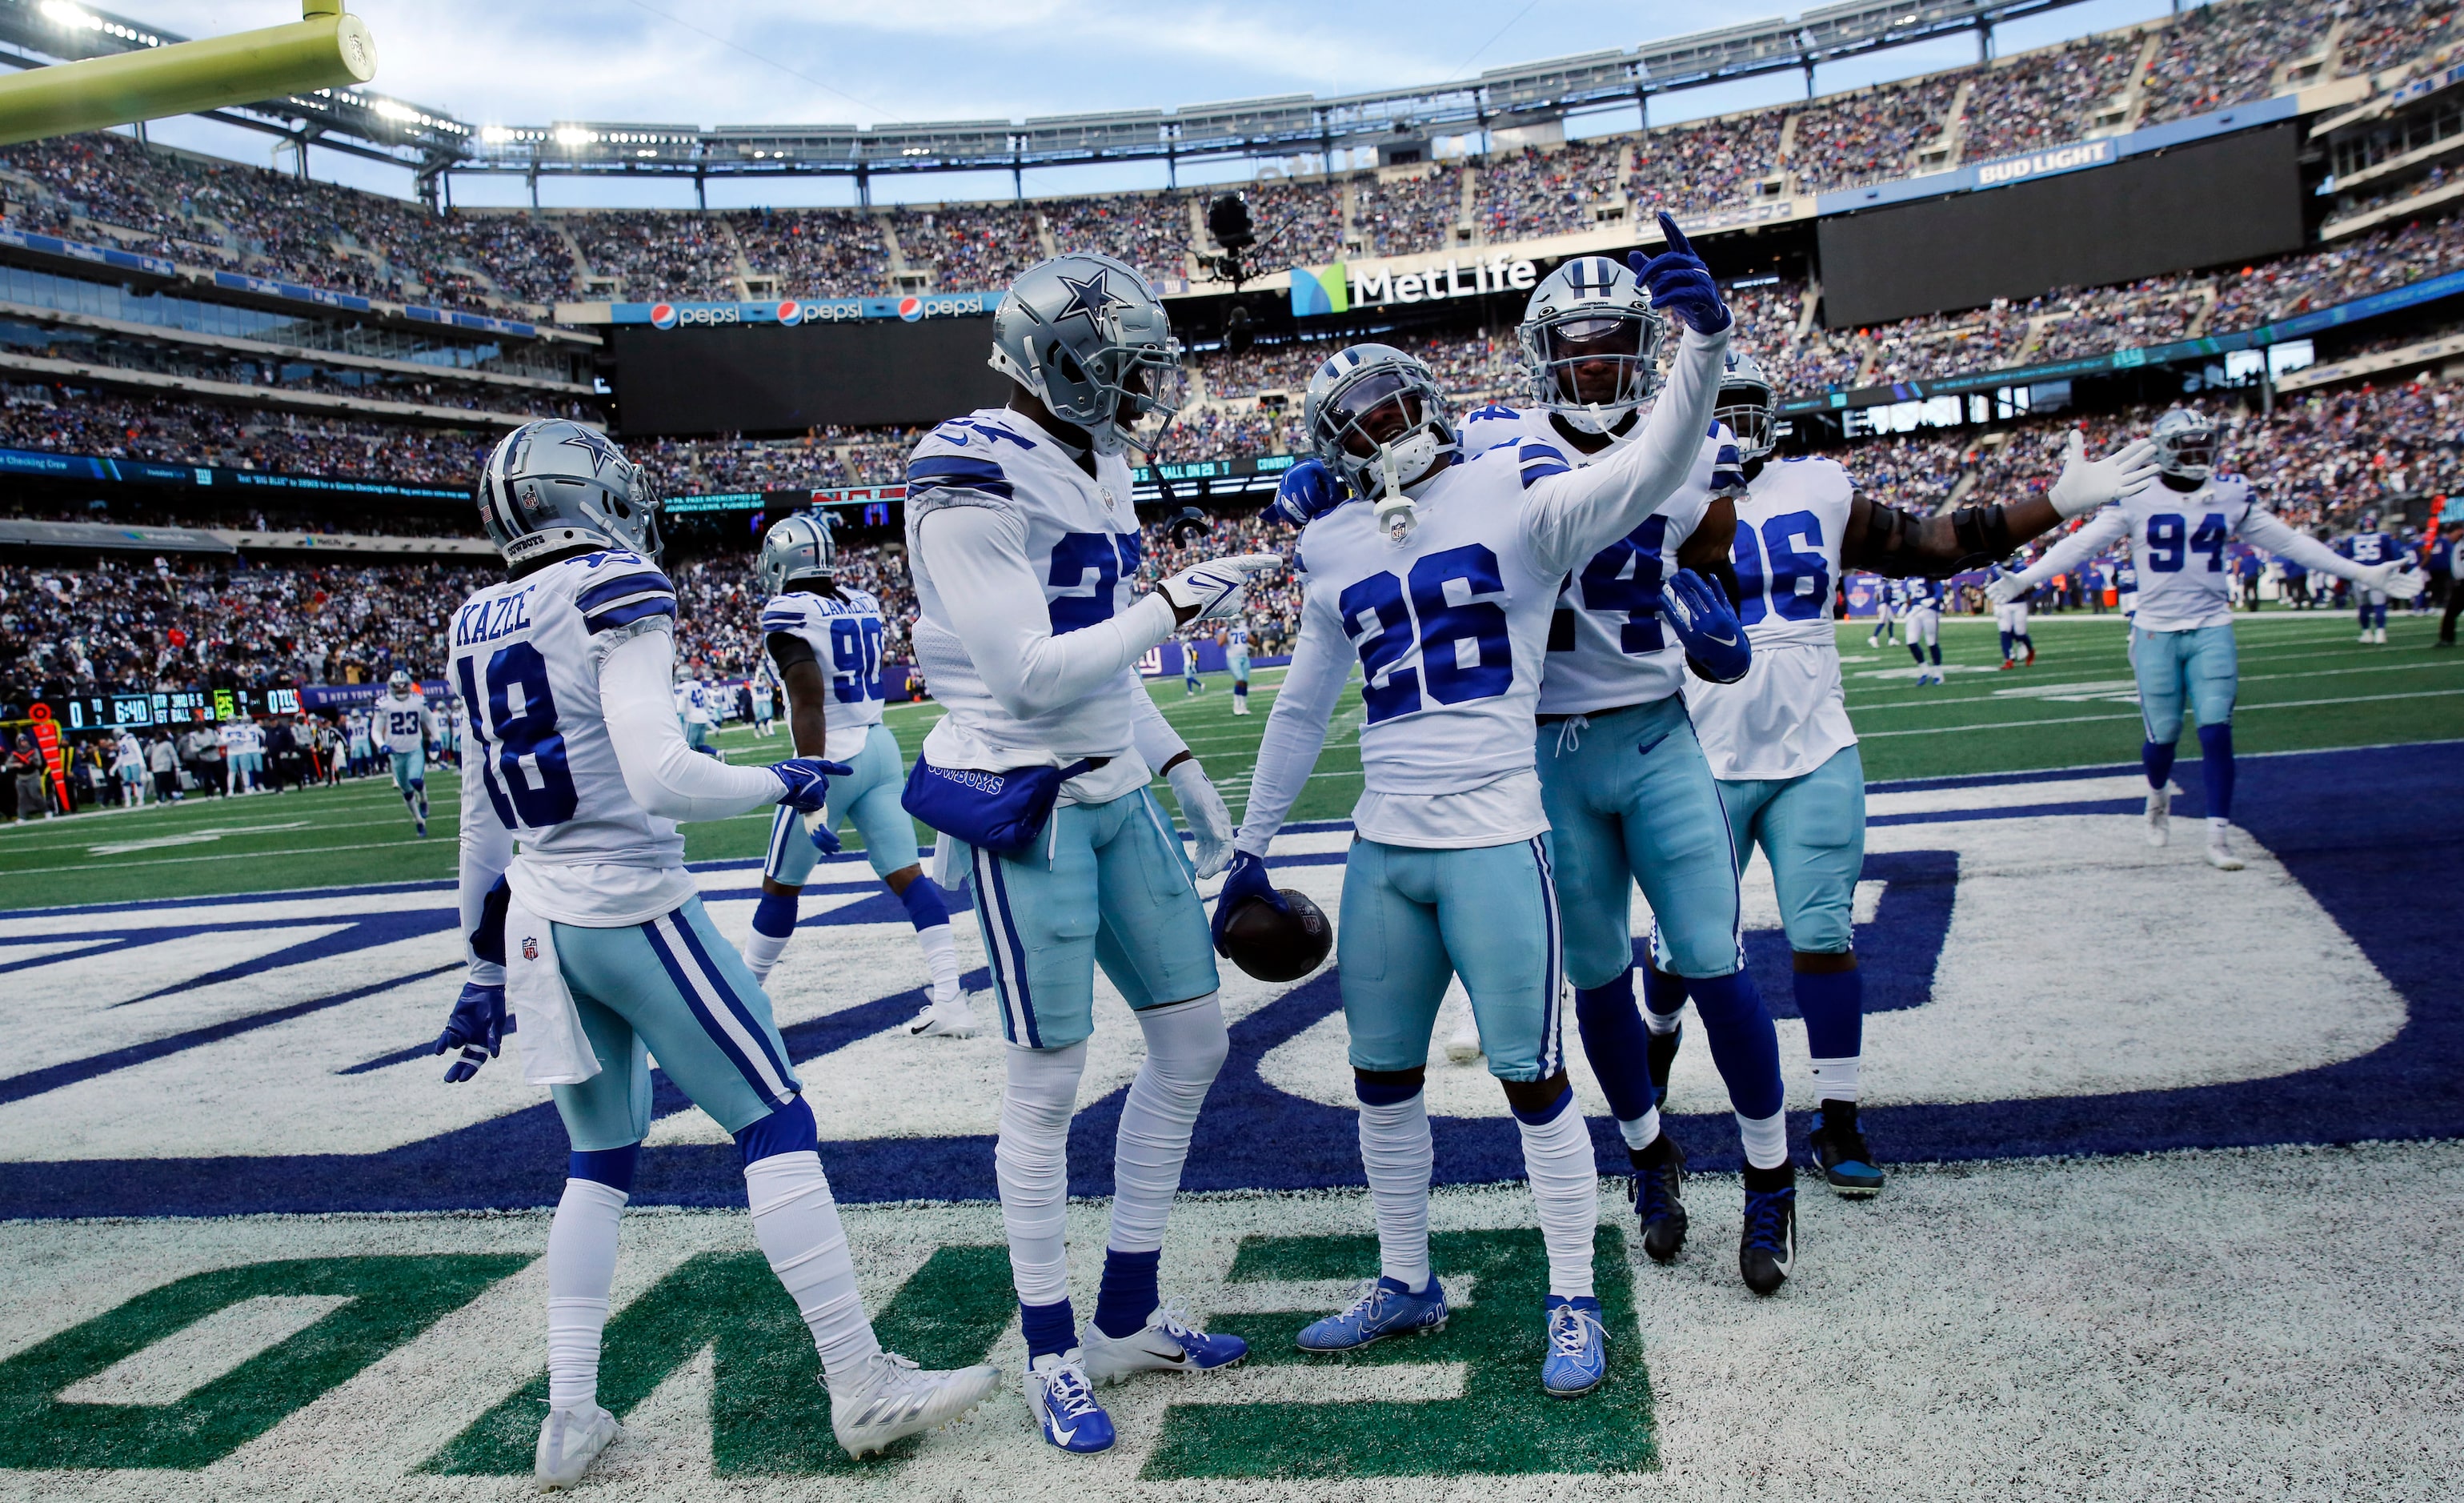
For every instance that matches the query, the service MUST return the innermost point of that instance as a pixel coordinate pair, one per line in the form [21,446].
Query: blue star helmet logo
[1088,300]
[596,447]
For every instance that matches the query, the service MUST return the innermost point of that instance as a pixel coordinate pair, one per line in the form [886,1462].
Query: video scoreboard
[174,707]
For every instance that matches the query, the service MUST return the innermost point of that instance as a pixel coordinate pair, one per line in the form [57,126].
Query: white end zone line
[2076,719]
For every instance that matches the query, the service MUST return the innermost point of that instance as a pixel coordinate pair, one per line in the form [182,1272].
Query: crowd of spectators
[653,255]
[816,252]
[1525,195]
[187,431]
[1868,134]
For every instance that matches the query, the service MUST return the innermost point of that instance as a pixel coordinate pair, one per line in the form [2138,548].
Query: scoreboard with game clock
[111,712]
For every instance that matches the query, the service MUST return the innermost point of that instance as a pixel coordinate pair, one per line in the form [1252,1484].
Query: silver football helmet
[555,484]
[1376,417]
[1590,343]
[1746,405]
[399,681]
[1088,336]
[795,547]
[2186,444]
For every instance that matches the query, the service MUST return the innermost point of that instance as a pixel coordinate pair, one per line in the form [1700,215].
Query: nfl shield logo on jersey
[530,948]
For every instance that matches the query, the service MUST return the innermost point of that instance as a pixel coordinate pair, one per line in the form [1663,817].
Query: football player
[2181,635]
[1628,795]
[1778,740]
[2011,617]
[1023,540]
[2369,545]
[1886,613]
[764,703]
[404,726]
[1236,657]
[1920,607]
[694,708]
[825,639]
[596,931]
[1436,576]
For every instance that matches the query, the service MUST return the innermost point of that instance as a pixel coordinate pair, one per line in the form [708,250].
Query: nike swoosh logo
[1718,641]
[1062,1437]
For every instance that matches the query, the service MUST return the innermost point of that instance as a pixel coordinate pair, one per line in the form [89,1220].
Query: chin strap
[1395,514]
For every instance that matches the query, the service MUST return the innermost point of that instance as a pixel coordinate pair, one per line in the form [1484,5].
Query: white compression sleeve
[796,1224]
[486,849]
[1396,1155]
[1570,517]
[2092,537]
[1031,1162]
[665,776]
[1157,743]
[1185,1047]
[581,1268]
[2266,530]
[977,557]
[1296,728]
[1566,1187]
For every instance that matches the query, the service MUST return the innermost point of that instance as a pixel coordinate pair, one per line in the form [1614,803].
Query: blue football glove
[1727,474]
[1698,610]
[1307,492]
[477,1028]
[826,837]
[1680,284]
[1243,879]
[807,781]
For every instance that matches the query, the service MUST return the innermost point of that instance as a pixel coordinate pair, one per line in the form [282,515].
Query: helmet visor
[1596,359]
[1148,390]
[2189,449]
[1377,409]
[1745,408]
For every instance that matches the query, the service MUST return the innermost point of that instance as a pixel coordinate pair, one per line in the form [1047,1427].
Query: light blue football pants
[2202,664]
[1415,918]
[1107,885]
[869,797]
[1631,799]
[1811,829]
[409,767]
[670,988]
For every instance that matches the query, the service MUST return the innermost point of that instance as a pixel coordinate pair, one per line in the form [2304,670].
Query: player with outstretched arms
[1628,796]
[825,639]
[1023,543]
[2181,634]
[404,726]
[1778,740]
[2369,546]
[1437,576]
[580,917]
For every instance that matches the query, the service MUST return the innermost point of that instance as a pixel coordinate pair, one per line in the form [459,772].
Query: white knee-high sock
[1031,1161]
[940,961]
[1565,1182]
[1765,1138]
[796,1224]
[1185,1047]
[580,1266]
[761,952]
[1396,1151]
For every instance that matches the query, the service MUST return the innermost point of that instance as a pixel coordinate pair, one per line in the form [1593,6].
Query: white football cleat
[2220,853]
[1464,1047]
[953,1017]
[2160,815]
[1169,1342]
[568,1443]
[890,1397]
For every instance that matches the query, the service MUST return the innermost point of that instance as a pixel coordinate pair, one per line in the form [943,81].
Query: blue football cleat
[1385,1308]
[1064,1406]
[1839,1150]
[1578,1348]
[1169,1342]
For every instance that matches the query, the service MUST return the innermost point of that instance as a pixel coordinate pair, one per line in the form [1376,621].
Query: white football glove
[1210,823]
[2087,484]
[2005,589]
[2398,579]
[1213,588]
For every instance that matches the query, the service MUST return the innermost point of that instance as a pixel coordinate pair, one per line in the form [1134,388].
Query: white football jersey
[2178,543]
[843,630]
[1608,646]
[1788,715]
[403,725]
[526,657]
[1080,539]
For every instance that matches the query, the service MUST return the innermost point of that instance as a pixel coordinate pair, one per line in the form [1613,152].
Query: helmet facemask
[1384,431]
[2186,445]
[1745,404]
[1594,366]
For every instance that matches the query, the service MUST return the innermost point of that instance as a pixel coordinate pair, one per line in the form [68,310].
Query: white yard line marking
[2238,709]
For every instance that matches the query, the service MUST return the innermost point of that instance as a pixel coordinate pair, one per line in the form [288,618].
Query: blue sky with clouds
[709,62]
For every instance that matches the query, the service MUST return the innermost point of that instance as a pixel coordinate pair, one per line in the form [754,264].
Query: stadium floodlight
[326,48]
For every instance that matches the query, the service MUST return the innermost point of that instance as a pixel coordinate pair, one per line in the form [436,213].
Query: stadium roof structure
[364,122]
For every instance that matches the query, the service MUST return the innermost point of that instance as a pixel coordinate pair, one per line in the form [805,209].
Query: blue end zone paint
[2384,867]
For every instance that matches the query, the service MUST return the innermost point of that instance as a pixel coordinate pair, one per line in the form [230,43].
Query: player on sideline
[596,931]
[363,751]
[2011,617]
[1023,544]
[404,726]
[2369,546]
[1627,794]
[694,708]
[1920,607]
[1780,741]
[765,702]
[2181,635]
[1887,612]
[1236,657]
[1438,577]
[825,638]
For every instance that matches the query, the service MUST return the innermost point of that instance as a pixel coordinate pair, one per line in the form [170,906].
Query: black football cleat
[1766,1252]
[1839,1150]
[1658,1184]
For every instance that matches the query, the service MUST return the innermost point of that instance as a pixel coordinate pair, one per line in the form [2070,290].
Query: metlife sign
[1342,287]
[914,309]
